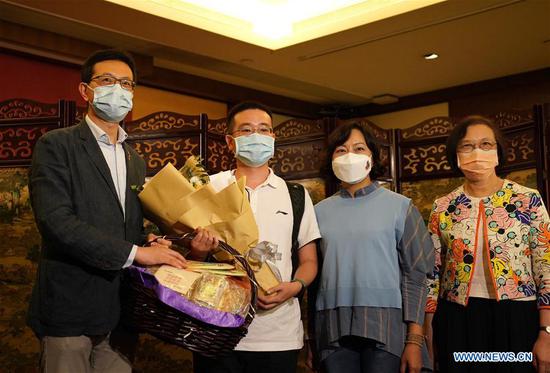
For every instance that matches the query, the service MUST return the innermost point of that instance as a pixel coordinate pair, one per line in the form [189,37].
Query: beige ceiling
[476,40]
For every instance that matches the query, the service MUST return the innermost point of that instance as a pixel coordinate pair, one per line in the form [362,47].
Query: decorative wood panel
[163,122]
[299,129]
[431,128]
[22,122]
[217,126]
[166,137]
[298,160]
[219,156]
[423,160]
[512,118]
[299,148]
[521,148]
[159,152]
[23,109]
[16,143]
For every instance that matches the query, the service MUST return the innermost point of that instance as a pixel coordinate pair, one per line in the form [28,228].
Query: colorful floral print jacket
[517,238]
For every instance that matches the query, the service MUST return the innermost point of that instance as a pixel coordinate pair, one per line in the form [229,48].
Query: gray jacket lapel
[92,150]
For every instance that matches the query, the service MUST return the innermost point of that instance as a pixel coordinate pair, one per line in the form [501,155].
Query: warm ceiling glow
[275,24]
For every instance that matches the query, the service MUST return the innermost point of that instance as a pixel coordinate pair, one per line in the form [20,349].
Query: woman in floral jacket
[491,283]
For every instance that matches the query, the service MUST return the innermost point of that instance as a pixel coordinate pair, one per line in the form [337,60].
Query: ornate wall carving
[16,143]
[423,160]
[22,108]
[219,156]
[299,129]
[163,121]
[506,119]
[166,137]
[301,160]
[521,147]
[22,122]
[217,126]
[434,127]
[159,152]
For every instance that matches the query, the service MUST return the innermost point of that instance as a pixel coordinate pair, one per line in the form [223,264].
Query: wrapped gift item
[177,206]
[180,280]
[222,293]
[210,285]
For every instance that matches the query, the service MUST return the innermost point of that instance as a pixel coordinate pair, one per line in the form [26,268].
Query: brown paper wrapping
[170,201]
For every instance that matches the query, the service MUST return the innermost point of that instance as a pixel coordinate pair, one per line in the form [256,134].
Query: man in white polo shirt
[276,334]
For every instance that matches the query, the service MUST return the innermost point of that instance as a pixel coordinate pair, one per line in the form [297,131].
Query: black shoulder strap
[298,199]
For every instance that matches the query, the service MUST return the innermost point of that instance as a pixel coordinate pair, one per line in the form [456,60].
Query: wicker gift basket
[144,310]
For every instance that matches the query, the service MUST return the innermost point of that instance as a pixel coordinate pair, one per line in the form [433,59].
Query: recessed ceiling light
[431,56]
[275,24]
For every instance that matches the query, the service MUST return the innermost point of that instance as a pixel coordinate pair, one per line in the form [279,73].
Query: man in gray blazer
[91,224]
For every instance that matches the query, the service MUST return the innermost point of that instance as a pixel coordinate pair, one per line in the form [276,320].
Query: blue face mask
[112,103]
[254,150]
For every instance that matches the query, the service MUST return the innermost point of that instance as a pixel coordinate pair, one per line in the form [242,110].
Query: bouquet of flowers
[178,201]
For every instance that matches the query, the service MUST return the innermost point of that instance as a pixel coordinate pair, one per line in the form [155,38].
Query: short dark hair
[240,107]
[459,131]
[339,136]
[87,71]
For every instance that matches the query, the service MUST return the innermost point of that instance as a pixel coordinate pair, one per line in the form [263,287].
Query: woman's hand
[541,353]
[278,294]
[411,359]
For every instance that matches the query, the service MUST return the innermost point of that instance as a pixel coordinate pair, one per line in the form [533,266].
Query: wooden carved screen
[421,153]
[22,122]
[298,150]
[218,157]
[167,137]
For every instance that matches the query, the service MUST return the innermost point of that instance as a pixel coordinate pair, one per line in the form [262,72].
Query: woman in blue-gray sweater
[376,254]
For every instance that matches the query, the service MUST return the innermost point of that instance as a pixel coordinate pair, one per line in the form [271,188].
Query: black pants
[248,362]
[485,326]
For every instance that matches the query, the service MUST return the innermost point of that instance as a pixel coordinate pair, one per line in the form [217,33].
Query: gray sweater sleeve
[416,259]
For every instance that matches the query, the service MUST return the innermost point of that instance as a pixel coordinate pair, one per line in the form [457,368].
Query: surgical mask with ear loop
[478,162]
[112,102]
[254,150]
[352,168]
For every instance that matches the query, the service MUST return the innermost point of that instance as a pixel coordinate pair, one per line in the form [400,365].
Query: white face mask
[352,168]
